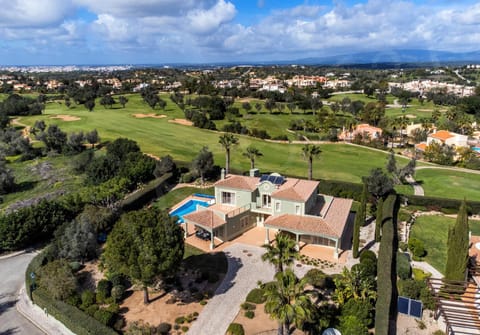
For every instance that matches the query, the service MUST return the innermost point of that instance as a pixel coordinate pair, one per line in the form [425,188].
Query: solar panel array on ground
[410,307]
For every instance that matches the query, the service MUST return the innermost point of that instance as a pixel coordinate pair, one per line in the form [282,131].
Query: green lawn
[173,197]
[159,137]
[433,231]
[449,184]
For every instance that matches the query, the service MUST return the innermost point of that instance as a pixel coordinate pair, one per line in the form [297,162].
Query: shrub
[360,309]
[184,329]
[417,247]
[256,296]
[420,275]
[75,266]
[248,306]
[88,299]
[403,246]
[319,279]
[103,290]
[164,328]
[235,329]
[187,178]
[442,203]
[74,319]
[74,300]
[92,309]
[180,320]
[369,267]
[117,279]
[105,317]
[203,303]
[117,292]
[249,314]
[404,270]
[368,254]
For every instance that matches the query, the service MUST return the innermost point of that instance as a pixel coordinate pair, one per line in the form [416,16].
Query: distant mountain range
[394,57]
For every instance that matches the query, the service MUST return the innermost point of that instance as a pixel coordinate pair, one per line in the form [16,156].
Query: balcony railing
[238,211]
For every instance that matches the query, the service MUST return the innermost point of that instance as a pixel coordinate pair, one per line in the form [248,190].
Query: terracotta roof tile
[296,189]
[442,135]
[333,224]
[337,214]
[305,224]
[205,218]
[421,146]
[239,182]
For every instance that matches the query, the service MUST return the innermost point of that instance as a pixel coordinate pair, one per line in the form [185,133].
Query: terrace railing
[238,211]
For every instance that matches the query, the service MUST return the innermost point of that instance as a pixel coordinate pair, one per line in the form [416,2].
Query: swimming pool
[476,149]
[187,208]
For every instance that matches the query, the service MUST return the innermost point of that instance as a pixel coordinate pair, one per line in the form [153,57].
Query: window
[266,201]
[244,222]
[277,206]
[228,198]
[297,209]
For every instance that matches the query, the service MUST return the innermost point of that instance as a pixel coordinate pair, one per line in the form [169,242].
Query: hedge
[441,203]
[341,189]
[140,198]
[387,277]
[73,318]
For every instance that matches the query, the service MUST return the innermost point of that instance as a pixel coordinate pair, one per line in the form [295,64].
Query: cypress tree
[378,219]
[359,222]
[457,252]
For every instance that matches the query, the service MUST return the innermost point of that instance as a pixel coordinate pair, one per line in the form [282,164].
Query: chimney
[222,174]
[254,173]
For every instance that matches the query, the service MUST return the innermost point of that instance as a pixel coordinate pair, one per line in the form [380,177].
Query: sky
[58,32]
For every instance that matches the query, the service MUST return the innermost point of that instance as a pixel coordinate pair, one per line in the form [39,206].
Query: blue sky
[197,31]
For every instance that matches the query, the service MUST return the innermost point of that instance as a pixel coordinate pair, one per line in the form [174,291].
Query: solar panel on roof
[264,177]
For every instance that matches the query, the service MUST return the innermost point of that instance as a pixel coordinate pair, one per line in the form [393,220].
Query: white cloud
[197,30]
[206,20]
[33,13]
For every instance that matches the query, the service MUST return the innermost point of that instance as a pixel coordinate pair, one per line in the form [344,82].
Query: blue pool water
[476,149]
[187,208]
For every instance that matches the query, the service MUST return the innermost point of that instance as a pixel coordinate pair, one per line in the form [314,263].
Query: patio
[256,237]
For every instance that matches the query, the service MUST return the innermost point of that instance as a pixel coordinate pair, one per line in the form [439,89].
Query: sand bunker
[411,116]
[424,110]
[67,118]
[154,116]
[182,122]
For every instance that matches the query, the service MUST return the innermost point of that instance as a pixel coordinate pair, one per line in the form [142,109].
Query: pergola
[456,302]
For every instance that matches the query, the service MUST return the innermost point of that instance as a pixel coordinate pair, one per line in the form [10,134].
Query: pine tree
[359,222]
[457,252]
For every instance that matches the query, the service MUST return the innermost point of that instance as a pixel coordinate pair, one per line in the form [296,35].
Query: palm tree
[288,302]
[227,140]
[252,153]
[281,253]
[310,151]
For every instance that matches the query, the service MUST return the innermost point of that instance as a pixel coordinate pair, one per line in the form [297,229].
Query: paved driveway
[245,269]
[12,275]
